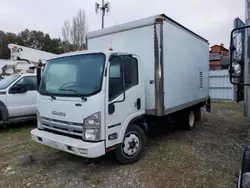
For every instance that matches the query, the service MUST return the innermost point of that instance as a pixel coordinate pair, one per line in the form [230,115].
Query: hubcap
[131,144]
[191,119]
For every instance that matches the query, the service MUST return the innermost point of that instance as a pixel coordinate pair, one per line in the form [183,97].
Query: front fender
[4,111]
[126,124]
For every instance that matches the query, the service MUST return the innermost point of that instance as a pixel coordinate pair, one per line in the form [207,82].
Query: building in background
[217,53]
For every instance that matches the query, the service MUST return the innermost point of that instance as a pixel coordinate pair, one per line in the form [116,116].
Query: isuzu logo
[58,113]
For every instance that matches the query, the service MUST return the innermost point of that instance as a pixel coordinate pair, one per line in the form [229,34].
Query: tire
[244,179]
[133,145]
[188,120]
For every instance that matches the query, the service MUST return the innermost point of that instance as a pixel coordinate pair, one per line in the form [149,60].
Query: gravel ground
[208,156]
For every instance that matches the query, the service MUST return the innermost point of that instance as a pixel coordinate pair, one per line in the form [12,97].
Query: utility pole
[246,64]
[105,7]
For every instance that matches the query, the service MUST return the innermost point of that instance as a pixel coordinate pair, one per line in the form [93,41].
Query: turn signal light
[159,20]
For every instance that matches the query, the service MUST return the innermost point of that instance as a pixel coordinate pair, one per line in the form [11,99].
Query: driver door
[23,104]
[125,94]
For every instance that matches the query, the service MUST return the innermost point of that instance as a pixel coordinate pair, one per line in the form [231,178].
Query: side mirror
[236,57]
[19,88]
[39,72]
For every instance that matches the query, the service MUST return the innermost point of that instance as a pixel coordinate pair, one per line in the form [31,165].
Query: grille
[69,128]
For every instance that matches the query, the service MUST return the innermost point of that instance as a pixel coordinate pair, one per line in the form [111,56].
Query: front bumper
[70,145]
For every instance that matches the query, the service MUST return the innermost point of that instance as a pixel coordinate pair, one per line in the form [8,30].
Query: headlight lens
[91,134]
[92,127]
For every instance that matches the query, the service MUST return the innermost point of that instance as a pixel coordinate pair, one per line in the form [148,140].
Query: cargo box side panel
[139,41]
[186,68]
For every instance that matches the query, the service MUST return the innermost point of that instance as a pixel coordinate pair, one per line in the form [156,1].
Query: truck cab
[18,96]
[86,102]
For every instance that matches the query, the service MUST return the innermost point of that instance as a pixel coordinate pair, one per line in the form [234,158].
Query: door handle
[138,104]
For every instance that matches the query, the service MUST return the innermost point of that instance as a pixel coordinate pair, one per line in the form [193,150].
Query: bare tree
[82,27]
[74,33]
[66,35]
[79,29]
[66,31]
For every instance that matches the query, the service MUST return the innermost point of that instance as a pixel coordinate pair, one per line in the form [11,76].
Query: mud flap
[197,112]
[208,105]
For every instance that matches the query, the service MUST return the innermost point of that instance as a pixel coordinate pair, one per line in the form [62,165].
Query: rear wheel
[188,119]
[133,145]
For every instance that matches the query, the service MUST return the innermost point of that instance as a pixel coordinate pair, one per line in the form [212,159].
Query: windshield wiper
[76,92]
[52,96]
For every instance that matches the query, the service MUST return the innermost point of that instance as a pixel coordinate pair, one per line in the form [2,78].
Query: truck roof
[82,52]
[137,24]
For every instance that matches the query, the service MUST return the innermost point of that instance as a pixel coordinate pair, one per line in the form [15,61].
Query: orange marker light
[111,49]
[159,20]
[111,148]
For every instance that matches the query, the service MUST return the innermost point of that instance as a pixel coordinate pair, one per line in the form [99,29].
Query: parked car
[18,96]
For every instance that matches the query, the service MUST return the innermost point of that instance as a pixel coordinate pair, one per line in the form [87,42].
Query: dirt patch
[208,156]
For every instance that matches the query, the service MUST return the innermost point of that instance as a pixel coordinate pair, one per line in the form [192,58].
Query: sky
[212,19]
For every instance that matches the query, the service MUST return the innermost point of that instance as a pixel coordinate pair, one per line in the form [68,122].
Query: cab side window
[130,72]
[29,81]
[115,78]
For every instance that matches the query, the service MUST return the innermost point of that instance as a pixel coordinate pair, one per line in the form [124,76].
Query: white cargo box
[176,60]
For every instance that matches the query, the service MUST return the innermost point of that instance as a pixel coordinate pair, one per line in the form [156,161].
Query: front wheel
[132,146]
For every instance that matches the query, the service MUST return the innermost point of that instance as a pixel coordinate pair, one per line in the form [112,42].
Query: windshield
[82,73]
[4,83]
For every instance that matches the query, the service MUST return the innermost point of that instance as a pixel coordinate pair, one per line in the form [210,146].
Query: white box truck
[96,101]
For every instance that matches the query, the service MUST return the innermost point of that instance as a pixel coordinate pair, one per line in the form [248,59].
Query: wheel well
[4,114]
[1,116]
[139,121]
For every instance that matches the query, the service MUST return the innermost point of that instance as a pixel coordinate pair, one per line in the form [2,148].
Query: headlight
[92,127]
[39,125]
[91,134]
